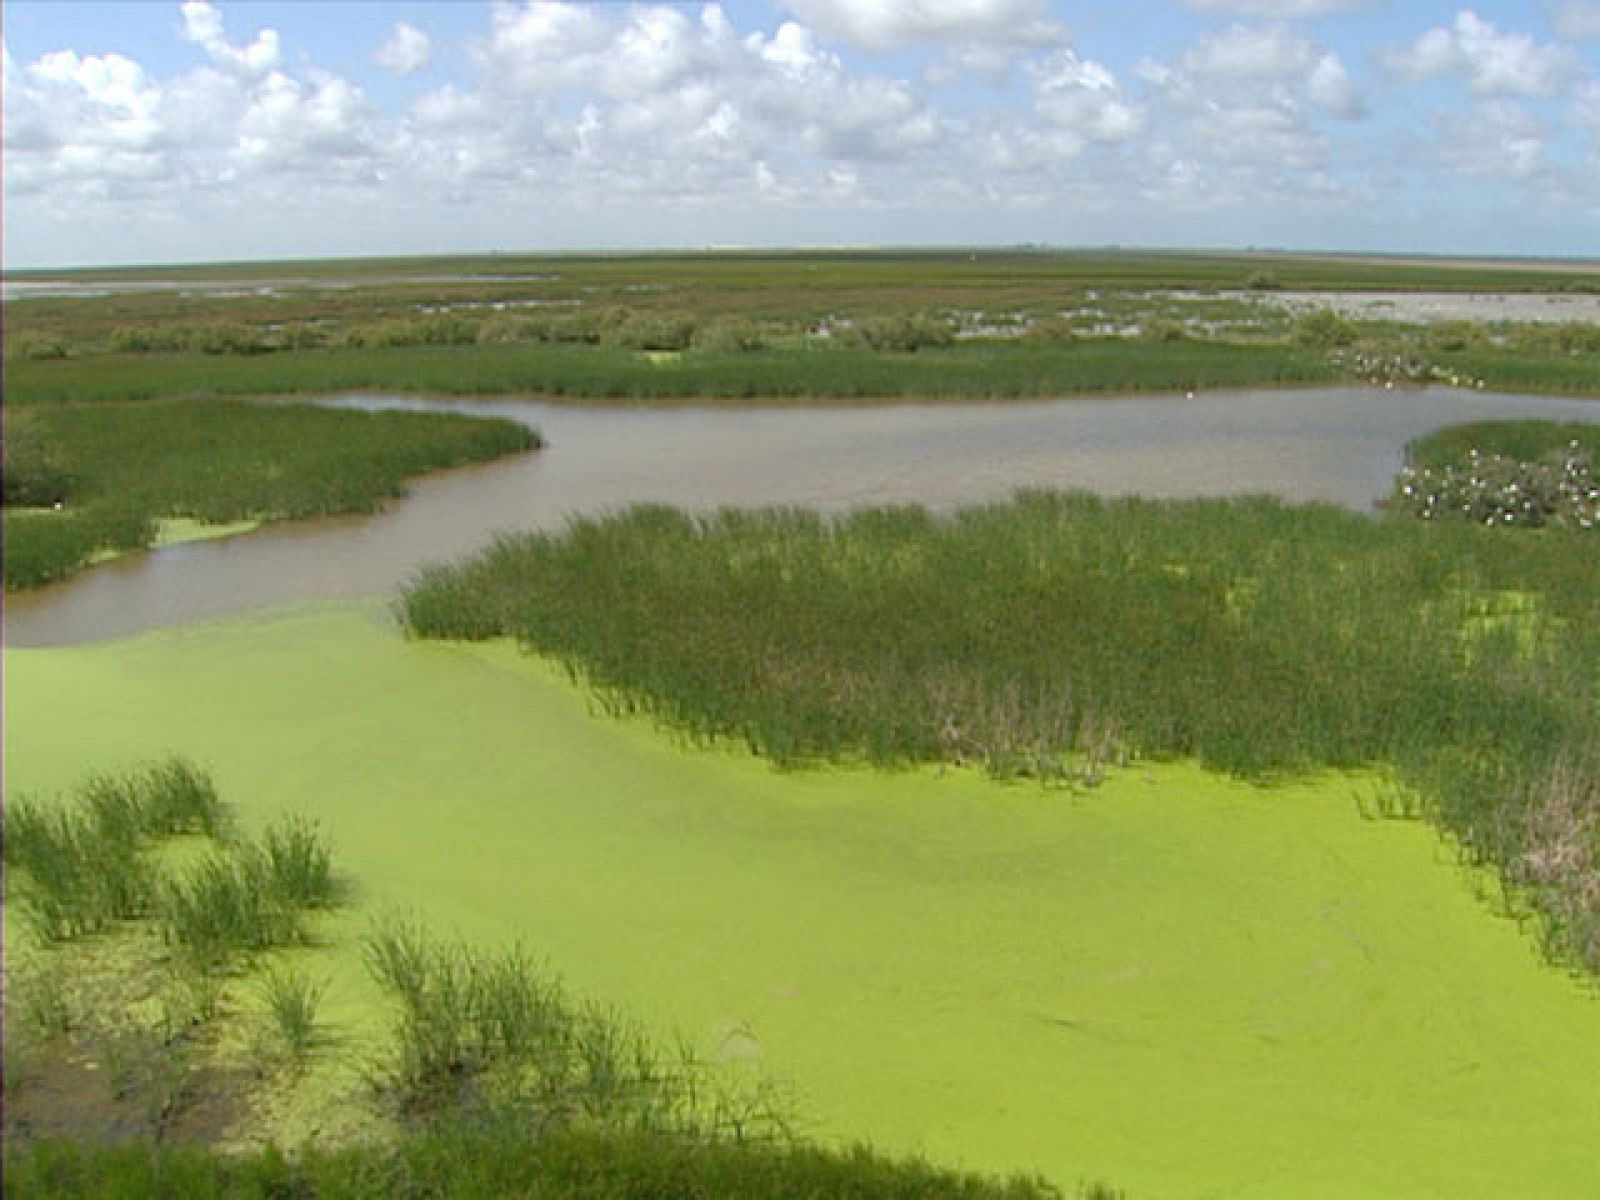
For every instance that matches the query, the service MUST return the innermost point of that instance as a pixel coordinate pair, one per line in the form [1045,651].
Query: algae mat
[1183,985]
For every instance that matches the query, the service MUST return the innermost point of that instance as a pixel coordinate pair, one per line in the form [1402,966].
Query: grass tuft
[478,1032]
[291,1002]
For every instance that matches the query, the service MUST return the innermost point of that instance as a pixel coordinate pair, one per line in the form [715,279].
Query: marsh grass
[291,1001]
[220,461]
[223,908]
[484,1160]
[249,896]
[493,1032]
[1057,635]
[298,865]
[85,863]
[38,996]
[81,868]
[775,373]
[1557,861]
[178,798]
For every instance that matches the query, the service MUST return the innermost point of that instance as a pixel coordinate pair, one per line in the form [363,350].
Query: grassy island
[87,481]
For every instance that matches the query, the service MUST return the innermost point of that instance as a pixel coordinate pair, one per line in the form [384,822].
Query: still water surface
[1339,445]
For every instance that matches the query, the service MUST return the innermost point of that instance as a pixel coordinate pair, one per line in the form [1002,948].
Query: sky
[213,130]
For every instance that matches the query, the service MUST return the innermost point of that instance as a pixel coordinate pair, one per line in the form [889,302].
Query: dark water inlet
[1338,445]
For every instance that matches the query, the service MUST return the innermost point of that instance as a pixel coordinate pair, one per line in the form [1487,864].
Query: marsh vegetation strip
[83,481]
[1181,984]
[628,374]
[1343,445]
[797,327]
[479,1160]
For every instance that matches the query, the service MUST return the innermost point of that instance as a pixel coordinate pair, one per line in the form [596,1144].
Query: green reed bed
[248,896]
[1527,369]
[88,480]
[489,1161]
[89,861]
[1525,441]
[486,1033]
[86,863]
[967,370]
[1057,633]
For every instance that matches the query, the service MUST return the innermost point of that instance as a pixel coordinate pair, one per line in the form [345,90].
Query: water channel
[1336,445]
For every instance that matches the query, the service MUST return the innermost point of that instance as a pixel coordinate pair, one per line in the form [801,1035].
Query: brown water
[1340,445]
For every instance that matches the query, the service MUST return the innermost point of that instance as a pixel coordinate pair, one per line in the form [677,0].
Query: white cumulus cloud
[886,25]
[202,24]
[1084,97]
[1492,63]
[1255,65]
[407,50]
[1494,139]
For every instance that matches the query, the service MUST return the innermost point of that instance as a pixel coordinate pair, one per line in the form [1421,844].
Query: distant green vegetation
[493,1161]
[1057,635]
[971,369]
[786,326]
[86,480]
[862,269]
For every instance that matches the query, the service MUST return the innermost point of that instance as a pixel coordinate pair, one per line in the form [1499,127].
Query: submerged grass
[114,470]
[1049,635]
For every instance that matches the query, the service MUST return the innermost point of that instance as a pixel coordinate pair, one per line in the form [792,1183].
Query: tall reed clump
[248,896]
[79,872]
[1056,634]
[482,1032]
[291,1002]
[85,864]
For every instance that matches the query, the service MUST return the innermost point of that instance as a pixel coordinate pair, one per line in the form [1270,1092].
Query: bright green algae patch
[1183,984]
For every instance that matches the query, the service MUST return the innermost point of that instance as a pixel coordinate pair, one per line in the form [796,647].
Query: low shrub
[1449,336]
[33,476]
[1325,329]
[229,337]
[1559,488]
[901,334]
[147,339]
[729,335]
[653,331]
[1163,329]
[34,347]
